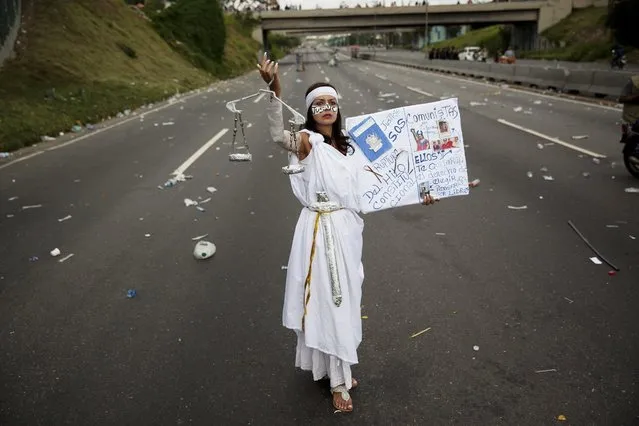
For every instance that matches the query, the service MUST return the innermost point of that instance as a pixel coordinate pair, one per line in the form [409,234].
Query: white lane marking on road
[493,86]
[17,160]
[259,98]
[420,91]
[551,139]
[197,154]
[104,129]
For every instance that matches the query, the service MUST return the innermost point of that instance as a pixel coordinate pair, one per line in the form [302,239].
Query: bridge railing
[597,83]
[9,23]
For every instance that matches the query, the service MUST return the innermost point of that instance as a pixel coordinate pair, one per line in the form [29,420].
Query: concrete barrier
[586,82]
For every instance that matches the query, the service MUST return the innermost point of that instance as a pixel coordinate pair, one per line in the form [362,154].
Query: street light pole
[426,31]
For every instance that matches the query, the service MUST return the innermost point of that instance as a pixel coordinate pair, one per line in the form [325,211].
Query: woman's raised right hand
[268,70]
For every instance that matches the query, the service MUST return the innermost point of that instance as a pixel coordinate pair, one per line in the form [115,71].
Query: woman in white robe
[325,273]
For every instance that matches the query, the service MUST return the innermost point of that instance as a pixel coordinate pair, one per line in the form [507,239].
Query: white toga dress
[329,335]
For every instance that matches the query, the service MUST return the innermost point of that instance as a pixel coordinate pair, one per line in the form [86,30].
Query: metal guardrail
[588,82]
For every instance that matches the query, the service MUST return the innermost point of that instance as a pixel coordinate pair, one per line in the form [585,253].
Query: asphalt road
[604,66]
[202,343]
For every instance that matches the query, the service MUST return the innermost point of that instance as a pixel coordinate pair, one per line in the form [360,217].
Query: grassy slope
[585,36]
[481,37]
[70,50]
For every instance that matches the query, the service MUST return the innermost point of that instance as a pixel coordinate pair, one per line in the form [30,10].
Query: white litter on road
[579,137]
[596,260]
[188,202]
[517,207]
[35,206]
[547,177]
[55,252]
[68,256]
[211,189]
[168,123]
[206,200]
[199,237]
[13,198]
[64,218]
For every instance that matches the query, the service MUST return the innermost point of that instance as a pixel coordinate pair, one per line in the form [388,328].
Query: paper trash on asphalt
[64,218]
[548,177]
[211,189]
[35,206]
[199,237]
[518,207]
[188,202]
[579,137]
[55,252]
[68,256]
[596,260]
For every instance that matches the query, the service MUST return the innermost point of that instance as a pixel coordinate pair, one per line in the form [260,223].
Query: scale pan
[240,156]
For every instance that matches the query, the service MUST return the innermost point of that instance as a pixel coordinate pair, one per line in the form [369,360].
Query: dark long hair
[341,142]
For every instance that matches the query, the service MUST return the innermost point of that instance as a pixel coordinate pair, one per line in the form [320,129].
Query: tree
[622,19]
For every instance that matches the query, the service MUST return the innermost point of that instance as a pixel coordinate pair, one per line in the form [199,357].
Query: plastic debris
[529,174]
[67,257]
[537,102]
[211,189]
[35,206]
[569,300]
[612,226]
[518,109]
[517,207]
[579,137]
[204,249]
[596,260]
[586,174]
[55,252]
[13,198]
[131,293]
[188,202]
[632,190]
[284,267]
[441,234]
[632,237]
[549,370]
[548,177]
[474,183]
[147,235]
[64,218]
[540,146]
[596,160]
[561,417]
[200,208]
[199,237]
[473,103]
[475,348]
[420,332]
[5,155]
[543,169]
[206,200]
[76,128]
[34,259]
[168,123]
[46,138]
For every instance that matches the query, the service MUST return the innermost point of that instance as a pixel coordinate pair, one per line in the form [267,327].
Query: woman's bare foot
[342,400]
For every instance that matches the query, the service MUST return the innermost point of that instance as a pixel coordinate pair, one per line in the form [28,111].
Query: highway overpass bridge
[529,18]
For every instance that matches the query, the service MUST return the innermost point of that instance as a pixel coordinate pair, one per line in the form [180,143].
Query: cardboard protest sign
[405,152]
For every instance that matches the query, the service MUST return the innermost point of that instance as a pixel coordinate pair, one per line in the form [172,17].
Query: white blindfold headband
[320,91]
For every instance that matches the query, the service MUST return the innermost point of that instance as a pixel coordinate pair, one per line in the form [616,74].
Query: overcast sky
[333,4]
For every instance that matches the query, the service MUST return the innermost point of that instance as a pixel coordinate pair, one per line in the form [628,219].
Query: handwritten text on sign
[405,153]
